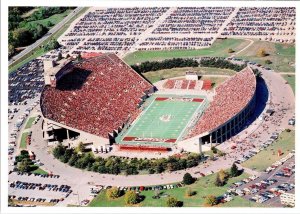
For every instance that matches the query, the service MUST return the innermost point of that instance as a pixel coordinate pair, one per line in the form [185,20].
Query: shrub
[221,178]
[210,200]
[268,62]
[188,179]
[172,202]
[131,197]
[234,171]
[189,192]
[113,193]
[230,50]
[261,52]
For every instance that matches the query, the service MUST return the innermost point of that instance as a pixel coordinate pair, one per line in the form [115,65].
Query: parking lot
[267,187]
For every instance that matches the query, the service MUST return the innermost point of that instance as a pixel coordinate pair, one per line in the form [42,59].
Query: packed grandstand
[103,96]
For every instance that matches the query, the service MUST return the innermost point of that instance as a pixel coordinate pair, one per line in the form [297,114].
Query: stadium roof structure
[97,96]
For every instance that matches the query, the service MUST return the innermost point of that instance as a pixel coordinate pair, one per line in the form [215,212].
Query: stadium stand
[98,96]
[231,97]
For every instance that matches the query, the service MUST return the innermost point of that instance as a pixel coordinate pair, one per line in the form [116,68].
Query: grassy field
[285,142]
[151,124]
[282,56]
[37,52]
[291,80]
[29,123]
[219,48]
[54,19]
[203,187]
[40,171]
[154,76]
[23,144]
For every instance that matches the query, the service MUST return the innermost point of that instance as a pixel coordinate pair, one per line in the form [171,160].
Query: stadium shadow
[262,95]
[73,80]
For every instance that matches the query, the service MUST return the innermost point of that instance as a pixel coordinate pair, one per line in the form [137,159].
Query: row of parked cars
[39,186]
[38,175]
[32,199]
[273,192]
[280,162]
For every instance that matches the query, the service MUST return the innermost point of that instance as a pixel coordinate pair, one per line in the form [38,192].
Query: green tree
[21,36]
[113,193]
[24,166]
[131,197]
[172,202]
[58,151]
[210,200]
[189,192]
[80,148]
[221,178]
[188,179]
[234,171]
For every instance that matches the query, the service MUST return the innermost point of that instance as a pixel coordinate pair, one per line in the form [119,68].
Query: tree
[221,178]
[230,50]
[189,192]
[131,197]
[261,52]
[80,147]
[24,166]
[188,179]
[268,62]
[52,44]
[21,36]
[113,193]
[234,171]
[172,202]
[210,200]
[58,151]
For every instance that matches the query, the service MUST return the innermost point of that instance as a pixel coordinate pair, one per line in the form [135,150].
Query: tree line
[165,64]
[117,165]
[221,63]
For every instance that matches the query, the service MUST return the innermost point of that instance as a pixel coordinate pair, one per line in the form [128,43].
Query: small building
[287,199]
[191,75]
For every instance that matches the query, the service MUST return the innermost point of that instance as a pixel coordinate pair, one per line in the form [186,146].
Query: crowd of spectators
[181,84]
[26,82]
[231,97]
[268,23]
[97,97]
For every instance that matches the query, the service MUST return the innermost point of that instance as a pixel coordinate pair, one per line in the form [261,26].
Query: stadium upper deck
[98,96]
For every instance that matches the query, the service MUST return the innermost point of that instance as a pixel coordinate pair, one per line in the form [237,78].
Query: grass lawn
[291,80]
[218,48]
[29,123]
[204,186]
[285,142]
[154,76]
[23,144]
[282,56]
[37,52]
[54,19]
[40,171]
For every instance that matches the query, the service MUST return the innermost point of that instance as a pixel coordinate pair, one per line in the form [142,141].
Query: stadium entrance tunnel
[62,134]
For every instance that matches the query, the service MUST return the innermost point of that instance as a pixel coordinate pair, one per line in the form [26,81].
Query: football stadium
[88,101]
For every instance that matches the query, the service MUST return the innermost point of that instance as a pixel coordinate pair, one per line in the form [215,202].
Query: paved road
[49,34]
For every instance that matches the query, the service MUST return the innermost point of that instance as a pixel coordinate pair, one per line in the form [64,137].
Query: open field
[291,80]
[218,48]
[23,144]
[54,19]
[204,186]
[264,159]
[282,56]
[163,119]
[39,51]
[40,171]
[154,76]
[29,122]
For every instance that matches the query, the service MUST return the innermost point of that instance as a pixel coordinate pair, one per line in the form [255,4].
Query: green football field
[163,119]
